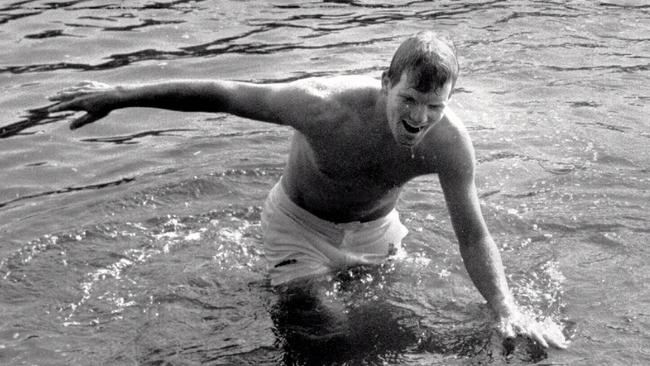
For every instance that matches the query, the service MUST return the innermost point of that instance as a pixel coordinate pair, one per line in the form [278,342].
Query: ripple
[612,68]
[50,34]
[132,138]
[127,28]
[95,186]
[551,166]
[537,14]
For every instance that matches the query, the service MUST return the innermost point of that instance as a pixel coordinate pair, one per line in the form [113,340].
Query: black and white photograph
[324,182]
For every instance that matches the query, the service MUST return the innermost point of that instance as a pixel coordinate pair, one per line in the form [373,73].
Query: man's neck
[380,117]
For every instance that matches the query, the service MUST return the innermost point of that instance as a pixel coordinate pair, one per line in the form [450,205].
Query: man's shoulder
[351,94]
[450,144]
[452,124]
[341,87]
[450,133]
[333,101]
[342,82]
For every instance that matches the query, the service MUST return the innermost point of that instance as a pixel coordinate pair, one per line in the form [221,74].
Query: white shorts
[299,244]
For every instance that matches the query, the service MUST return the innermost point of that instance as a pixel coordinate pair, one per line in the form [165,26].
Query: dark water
[136,240]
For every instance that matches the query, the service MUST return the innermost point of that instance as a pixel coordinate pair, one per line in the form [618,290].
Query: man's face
[411,113]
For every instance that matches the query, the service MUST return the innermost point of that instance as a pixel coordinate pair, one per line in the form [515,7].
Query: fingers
[39,112]
[86,96]
[547,334]
[538,336]
[63,106]
[560,344]
[84,120]
[555,338]
[94,84]
[68,94]
[553,334]
[83,88]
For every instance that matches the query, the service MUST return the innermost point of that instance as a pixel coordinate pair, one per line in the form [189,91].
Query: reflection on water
[313,322]
[136,240]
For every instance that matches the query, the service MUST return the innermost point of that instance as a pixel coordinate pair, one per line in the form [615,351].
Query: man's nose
[419,114]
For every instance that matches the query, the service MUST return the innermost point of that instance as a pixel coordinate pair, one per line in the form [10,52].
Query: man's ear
[385,81]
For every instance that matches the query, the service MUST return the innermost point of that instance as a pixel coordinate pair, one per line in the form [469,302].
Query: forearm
[483,263]
[184,96]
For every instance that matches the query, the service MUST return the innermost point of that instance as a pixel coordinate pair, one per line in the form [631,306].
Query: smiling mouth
[411,129]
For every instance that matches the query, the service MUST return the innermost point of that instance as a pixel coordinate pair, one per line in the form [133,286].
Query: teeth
[410,128]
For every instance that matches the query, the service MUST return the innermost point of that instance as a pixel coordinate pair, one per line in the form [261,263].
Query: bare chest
[349,178]
[366,161]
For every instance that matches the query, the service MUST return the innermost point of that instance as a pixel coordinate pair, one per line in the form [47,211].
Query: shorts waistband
[281,200]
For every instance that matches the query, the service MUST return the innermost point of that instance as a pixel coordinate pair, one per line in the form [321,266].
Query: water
[136,240]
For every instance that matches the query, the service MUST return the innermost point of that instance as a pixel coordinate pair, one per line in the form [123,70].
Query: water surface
[136,240]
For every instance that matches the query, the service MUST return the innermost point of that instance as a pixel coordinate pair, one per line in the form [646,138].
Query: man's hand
[97,99]
[546,333]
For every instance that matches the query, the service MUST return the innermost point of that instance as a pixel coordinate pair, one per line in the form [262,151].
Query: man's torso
[352,169]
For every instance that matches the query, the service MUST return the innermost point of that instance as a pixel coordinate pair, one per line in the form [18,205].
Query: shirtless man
[356,143]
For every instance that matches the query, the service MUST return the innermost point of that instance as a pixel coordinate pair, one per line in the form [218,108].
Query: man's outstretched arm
[275,103]
[482,258]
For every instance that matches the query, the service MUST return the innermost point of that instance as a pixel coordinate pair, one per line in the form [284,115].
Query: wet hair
[429,59]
